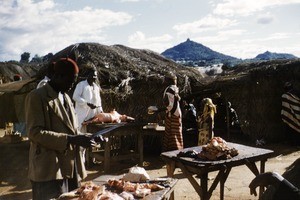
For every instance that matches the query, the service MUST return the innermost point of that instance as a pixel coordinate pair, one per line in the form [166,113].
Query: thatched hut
[255,92]
[131,80]
[12,98]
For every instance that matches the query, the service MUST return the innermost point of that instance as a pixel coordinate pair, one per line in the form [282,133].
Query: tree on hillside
[36,59]
[25,57]
[47,57]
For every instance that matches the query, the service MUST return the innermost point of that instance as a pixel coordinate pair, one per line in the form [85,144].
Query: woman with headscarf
[206,121]
[172,139]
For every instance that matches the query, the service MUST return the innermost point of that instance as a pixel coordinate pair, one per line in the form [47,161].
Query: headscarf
[208,107]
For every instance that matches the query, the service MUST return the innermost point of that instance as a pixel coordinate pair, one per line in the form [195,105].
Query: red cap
[63,62]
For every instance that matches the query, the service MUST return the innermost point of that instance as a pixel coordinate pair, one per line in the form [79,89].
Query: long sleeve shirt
[84,94]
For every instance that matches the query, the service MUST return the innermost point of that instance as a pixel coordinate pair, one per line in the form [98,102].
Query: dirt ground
[14,184]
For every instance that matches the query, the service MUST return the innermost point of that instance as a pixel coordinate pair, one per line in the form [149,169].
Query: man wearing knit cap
[55,162]
[87,98]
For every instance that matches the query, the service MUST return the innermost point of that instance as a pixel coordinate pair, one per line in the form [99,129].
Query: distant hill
[190,51]
[273,56]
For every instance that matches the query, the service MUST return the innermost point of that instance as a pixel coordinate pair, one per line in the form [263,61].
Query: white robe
[84,94]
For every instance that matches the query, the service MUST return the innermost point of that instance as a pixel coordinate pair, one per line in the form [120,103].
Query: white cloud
[277,36]
[233,32]
[247,7]
[207,23]
[241,49]
[266,18]
[158,43]
[130,0]
[159,1]
[251,47]
[219,37]
[24,23]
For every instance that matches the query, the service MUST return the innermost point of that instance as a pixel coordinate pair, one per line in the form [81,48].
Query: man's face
[68,82]
[91,80]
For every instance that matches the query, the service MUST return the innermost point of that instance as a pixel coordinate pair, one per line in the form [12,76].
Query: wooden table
[165,194]
[119,145]
[153,137]
[190,166]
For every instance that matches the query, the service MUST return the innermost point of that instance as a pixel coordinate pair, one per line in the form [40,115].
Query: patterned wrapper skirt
[172,139]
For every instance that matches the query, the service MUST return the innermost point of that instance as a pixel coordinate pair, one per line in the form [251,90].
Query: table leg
[203,182]
[140,149]
[170,173]
[252,166]
[191,179]
[223,178]
[88,156]
[107,146]
[170,168]
[262,170]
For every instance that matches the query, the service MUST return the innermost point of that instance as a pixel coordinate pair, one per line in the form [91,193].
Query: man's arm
[39,127]
[283,187]
[77,95]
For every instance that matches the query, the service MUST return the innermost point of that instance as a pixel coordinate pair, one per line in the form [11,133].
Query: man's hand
[265,179]
[92,106]
[100,138]
[81,140]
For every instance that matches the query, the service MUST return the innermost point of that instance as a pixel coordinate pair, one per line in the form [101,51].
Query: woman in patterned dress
[206,121]
[172,139]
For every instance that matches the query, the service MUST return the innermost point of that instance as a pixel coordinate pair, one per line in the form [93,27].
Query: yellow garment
[206,122]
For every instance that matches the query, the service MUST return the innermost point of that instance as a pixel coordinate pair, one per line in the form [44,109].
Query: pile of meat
[217,149]
[111,117]
[129,189]
[113,190]
[87,191]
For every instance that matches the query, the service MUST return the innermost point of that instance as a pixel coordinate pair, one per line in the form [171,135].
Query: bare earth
[14,184]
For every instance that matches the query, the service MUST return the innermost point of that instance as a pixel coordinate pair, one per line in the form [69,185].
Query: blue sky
[240,28]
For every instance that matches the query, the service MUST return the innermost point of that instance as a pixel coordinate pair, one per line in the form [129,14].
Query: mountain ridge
[196,54]
[193,51]
[273,55]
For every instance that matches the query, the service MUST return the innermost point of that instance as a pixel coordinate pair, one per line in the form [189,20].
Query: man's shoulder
[80,83]
[41,92]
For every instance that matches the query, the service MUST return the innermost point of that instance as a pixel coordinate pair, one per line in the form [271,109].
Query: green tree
[47,57]
[25,57]
[36,59]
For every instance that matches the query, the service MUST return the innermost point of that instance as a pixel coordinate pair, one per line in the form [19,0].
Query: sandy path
[14,184]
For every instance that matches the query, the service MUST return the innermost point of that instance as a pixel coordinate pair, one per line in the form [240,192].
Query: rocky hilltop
[272,56]
[195,53]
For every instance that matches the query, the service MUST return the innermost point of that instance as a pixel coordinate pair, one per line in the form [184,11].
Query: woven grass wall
[256,97]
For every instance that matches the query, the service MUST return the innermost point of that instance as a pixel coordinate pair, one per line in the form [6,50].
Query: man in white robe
[87,99]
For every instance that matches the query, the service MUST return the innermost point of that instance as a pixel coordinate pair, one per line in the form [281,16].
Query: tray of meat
[137,190]
[217,149]
[117,189]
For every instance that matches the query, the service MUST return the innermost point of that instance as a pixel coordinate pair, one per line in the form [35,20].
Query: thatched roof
[9,69]
[15,86]
[131,80]
[255,92]
[12,98]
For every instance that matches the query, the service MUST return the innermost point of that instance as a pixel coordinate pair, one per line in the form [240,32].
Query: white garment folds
[84,94]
